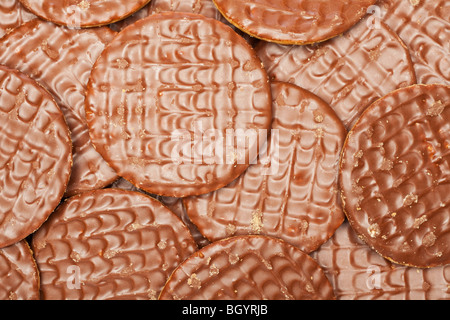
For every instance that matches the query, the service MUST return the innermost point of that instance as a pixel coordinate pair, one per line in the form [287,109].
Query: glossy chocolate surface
[169,76]
[174,204]
[19,276]
[424,26]
[395,176]
[248,268]
[203,7]
[359,273]
[83,13]
[12,15]
[294,21]
[35,156]
[109,244]
[61,59]
[348,72]
[291,194]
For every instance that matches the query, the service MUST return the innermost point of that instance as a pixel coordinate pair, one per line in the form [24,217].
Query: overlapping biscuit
[297,22]
[12,15]
[424,26]
[179,111]
[348,72]
[359,273]
[61,59]
[395,176]
[83,13]
[109,244]
[248,268]
[35,156]
[19,275]
[291,192]
[162,88]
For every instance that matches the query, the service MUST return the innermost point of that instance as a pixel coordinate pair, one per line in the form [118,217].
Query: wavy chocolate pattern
[12,15]
[83,13]
[293,194]
[110,244]
[425,28]
[294,21]
[61,59]
[348,72]
[359,273]
[395,176]
[184,74]
[248,268]
[35,155]
[19,275]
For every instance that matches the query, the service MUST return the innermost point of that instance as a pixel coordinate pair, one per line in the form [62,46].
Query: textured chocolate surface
[248,268]
[109,244]
[185,74]
[424,26]
[174,204]
[19,276]
[293,193]
[61,59]
[294,22]
[35,155]
[12,15]
[348,72]
[203,7]
[395,176]
[359,273]
[83,13]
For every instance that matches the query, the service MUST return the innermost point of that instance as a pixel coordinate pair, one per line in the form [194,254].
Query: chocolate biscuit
[167,102]
[395,176]
[35,156]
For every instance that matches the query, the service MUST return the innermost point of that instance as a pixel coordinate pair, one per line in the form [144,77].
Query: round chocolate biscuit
[174,204]
[349,72]
[395,176]
[83,13]
[291,192]
[248,268]
[170,103]
[109,244]
[19,275]
[12,15]
[359,273]
[424,26]
[293,22]
[35,156]
[61,59]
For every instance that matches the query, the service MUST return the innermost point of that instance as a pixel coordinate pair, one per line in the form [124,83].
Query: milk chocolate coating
[35,156]
[169,76]
[248,268]
[109,244]
[348,72]
[293,192]
[61,59]
[83,13]
[203,7]
[19,275]
[174,204]
[293,22]
[359,273]
[424,26]
[12,15]
[395,176]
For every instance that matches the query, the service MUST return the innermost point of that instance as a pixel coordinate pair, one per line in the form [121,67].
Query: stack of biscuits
[224,149]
